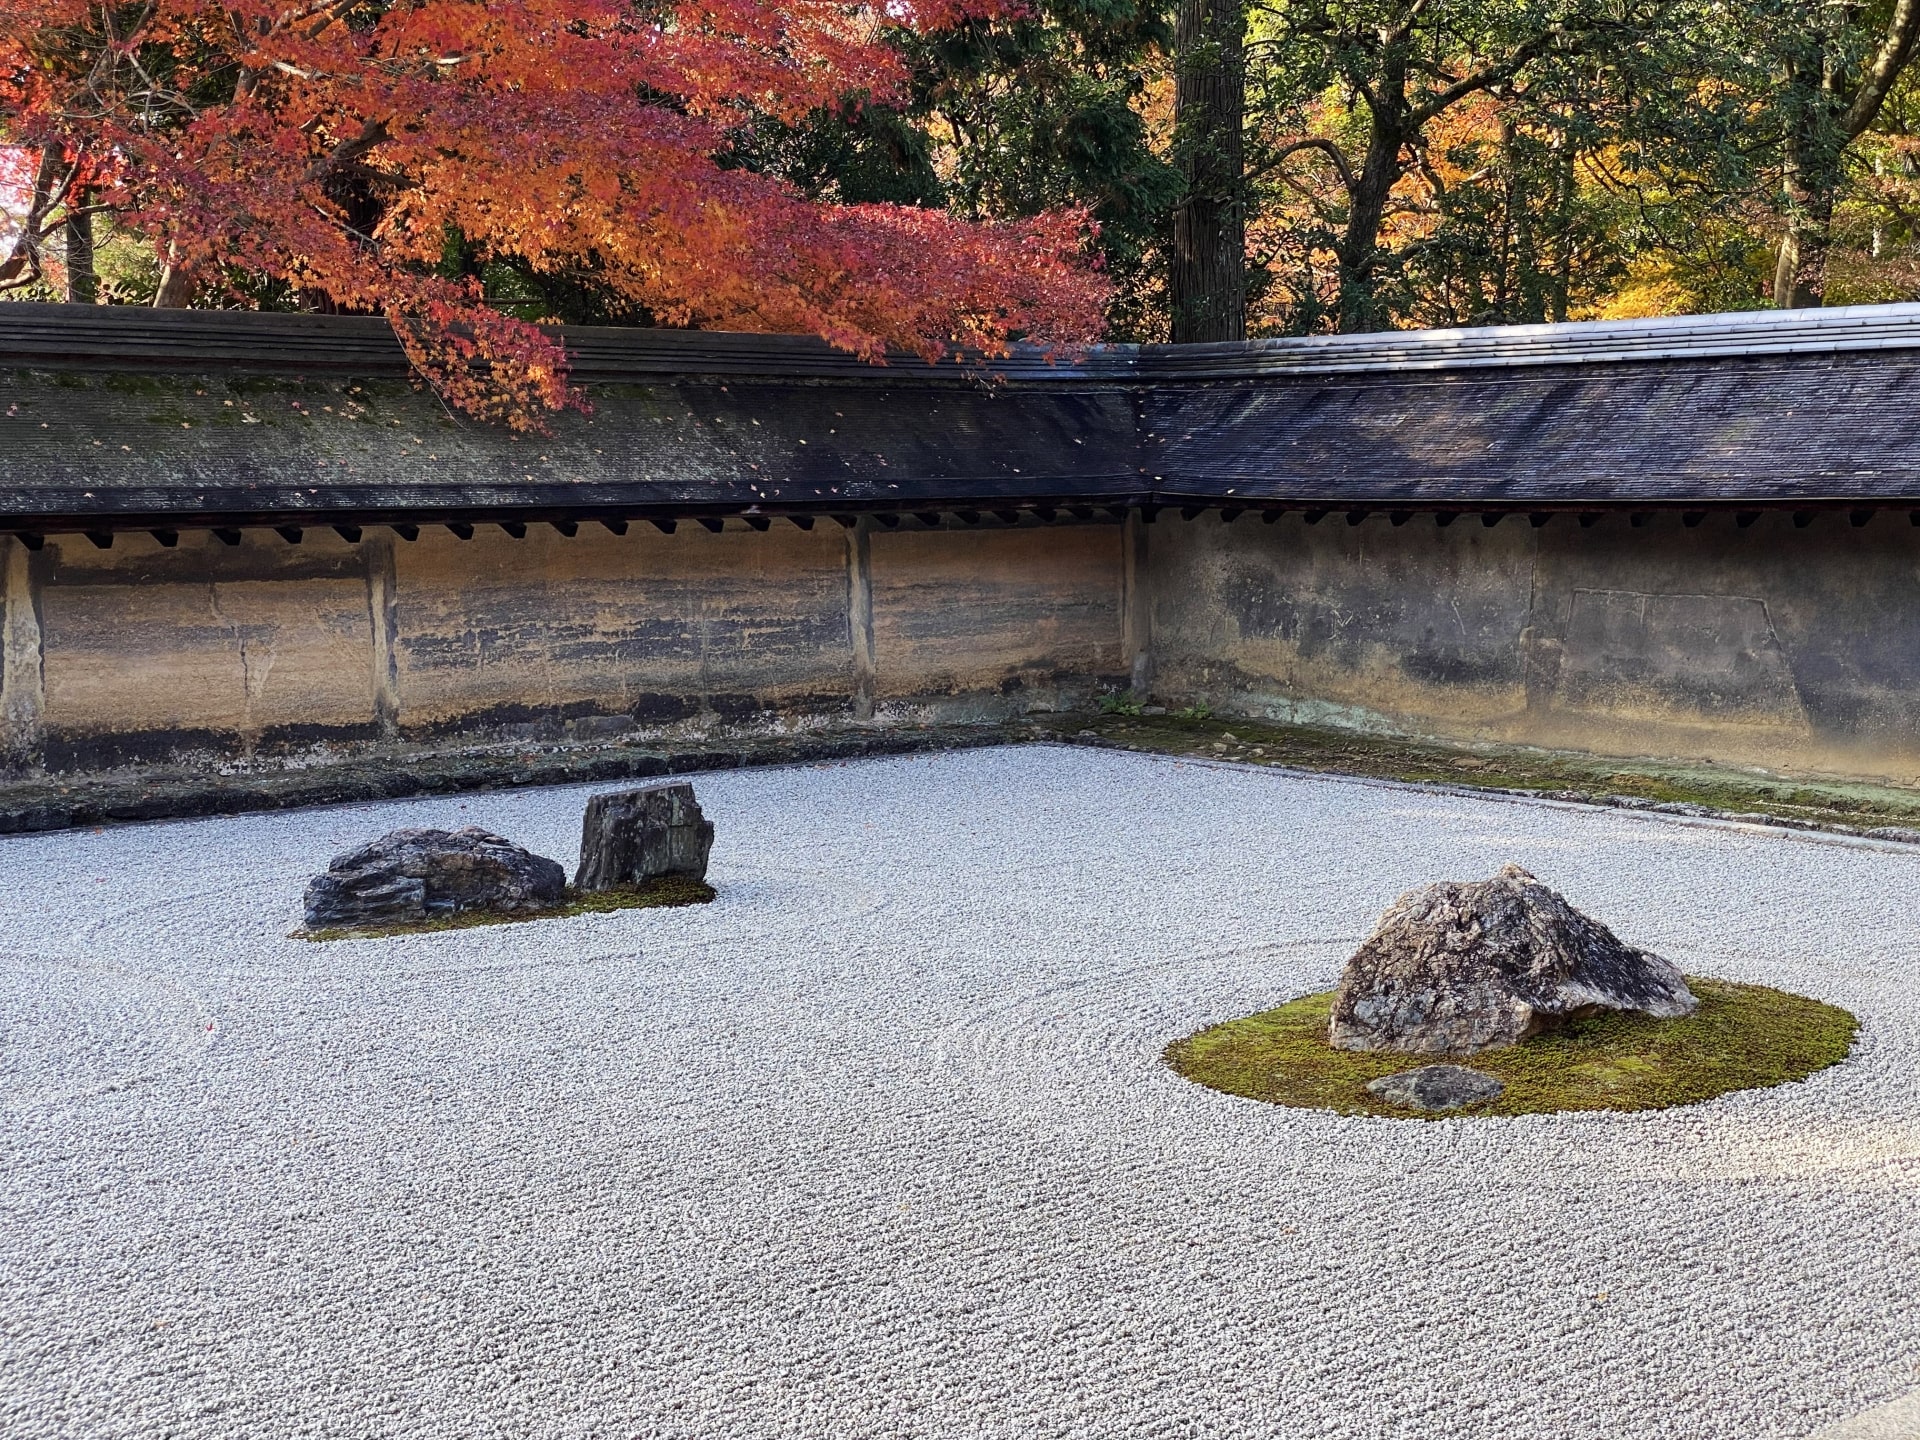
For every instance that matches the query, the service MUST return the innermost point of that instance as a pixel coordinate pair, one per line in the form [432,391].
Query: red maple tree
[335,144]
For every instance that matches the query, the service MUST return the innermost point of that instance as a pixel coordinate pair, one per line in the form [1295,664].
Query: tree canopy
[341,150]
[1445,162]
[950,173]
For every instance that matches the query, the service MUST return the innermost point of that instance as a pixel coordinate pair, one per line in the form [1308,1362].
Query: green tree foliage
[1390,163]
[1474,161]
[1435,144]
[1009,117]
[1816,79]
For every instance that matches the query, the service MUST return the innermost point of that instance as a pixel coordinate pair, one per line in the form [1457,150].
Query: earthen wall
[144,652]
[1770,643]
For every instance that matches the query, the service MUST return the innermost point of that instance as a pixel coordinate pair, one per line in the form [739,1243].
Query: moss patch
[663,891]
[1808,800]
[1743,1037]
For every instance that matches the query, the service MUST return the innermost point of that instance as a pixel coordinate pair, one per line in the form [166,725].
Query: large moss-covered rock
[413,875]
[1454,969]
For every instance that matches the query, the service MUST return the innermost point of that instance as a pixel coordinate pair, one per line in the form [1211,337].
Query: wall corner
[22,659]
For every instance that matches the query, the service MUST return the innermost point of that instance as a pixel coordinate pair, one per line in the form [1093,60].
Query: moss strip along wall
[1770,644]
[146,652]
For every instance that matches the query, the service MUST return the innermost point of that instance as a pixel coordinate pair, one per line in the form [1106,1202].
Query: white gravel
[880,1143]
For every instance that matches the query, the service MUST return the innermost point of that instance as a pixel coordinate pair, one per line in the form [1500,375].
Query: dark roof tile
[133,415]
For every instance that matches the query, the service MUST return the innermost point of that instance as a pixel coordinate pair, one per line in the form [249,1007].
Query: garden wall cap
[118,337]
[121,418]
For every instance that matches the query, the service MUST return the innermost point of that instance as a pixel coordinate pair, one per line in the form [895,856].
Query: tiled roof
[122,417]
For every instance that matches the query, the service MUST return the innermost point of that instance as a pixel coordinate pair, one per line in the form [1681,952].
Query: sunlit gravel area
[881,1144]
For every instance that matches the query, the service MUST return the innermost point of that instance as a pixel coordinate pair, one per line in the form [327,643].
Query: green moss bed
[665,890]
[1743,1037]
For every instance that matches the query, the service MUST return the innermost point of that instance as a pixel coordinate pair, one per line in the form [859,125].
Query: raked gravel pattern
[881,1144]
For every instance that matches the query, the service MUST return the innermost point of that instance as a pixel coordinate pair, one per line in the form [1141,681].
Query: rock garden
[885,1139]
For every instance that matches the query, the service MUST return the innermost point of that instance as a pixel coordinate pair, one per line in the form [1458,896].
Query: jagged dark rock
[632,836]
[416,874]
[1436,1087]
[1454,969]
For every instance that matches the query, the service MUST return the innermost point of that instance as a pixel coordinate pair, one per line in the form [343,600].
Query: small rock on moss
[1436,1087]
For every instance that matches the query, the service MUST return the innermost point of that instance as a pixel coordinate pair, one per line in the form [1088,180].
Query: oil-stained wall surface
[1768,643]
[1332,622]
[652,626]
[145,651]
[1041,611]
[146,648]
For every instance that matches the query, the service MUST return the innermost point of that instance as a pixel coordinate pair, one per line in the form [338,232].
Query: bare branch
[49,189]
[334,14]
[1486,76]
[1895,47]
[1399,33]
[1312,142]
[373,133]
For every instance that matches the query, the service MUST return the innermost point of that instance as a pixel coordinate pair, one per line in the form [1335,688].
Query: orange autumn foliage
[335,144]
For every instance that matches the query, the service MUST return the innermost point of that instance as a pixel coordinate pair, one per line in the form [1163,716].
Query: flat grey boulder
[417,874]
[1436,1087]
[631,836]
[1454,969]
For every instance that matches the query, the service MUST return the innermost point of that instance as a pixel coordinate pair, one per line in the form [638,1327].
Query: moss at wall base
[1847,804]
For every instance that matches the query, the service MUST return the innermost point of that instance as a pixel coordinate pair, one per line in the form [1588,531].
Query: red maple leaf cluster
[336,145]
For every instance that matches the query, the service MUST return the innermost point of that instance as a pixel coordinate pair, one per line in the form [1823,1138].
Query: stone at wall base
[632,836]
[1436,1087]
[417,874]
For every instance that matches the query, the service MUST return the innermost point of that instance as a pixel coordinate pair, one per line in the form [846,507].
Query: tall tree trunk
[1811,178]
[1837,111]
[176,284]
[1360,306]
[1522,292]
[25,257]
[1208,275]
[83,280]
[1564,192]
[1800,272]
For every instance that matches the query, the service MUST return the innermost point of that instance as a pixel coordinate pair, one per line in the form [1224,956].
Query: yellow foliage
[1650,288]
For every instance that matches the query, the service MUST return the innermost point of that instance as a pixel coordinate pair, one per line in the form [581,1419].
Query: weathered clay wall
[1033,612]
[655,627]
[144,652]
[143,649]
[1770,644]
